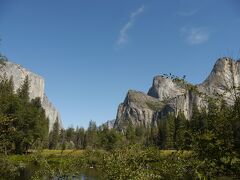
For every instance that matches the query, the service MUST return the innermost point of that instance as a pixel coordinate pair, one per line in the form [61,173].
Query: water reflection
[80,177]
[85,175]
[89,174]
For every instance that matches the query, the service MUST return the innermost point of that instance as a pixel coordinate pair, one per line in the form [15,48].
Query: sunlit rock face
[37,85]
[224,76]
[169,95]
[137,109]
[165,88]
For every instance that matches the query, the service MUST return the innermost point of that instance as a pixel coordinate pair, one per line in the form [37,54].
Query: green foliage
[130,133]
[170,130]
[126,163]
[7,131]
[180,129]
[92,135]
[213,140]
[211,136]
[235,116]
[23,91]
[54,135]
[8,170]
[80,140]
[110,139]
[23,122]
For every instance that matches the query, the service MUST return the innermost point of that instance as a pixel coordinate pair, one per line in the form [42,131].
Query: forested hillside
[23,124]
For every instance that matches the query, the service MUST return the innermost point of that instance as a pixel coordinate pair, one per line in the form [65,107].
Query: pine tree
[195,119]
[92,135]
[130,133]
[109,138]
[54,135]
[236,124]
[7,131]
[23,91]
[180,128]
[80,138]
[154,136]
[161,139]
[139,134]
[170,129]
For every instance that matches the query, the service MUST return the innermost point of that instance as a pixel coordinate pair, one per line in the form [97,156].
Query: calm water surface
[89,174]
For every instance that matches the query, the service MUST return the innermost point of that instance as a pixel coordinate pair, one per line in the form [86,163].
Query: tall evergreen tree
[236,124]
[154,136]
[23,91]
[92,135]
[54,135]
[180,128]
[130,133]
[80,138]
[170,129]
[195,119]
[161,139]
[6,137]
[139,133]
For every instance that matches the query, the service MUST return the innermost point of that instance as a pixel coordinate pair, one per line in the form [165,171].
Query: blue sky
[92,52]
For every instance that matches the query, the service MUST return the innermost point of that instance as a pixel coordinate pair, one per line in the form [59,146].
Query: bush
[8,170]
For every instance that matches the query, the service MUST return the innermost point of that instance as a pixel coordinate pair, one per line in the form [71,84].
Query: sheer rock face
[168,95]
[138,109]
[224,76]
[36,89]
[165,88]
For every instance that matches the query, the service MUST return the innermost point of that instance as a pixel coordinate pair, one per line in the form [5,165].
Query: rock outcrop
[174,95]
[109,124]
[138,109]
[37,85]
[223,78]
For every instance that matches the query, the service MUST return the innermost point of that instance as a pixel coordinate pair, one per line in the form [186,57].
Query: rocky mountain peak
[225,69]
[169,94]
[165,87]
[224,76]
[138,108]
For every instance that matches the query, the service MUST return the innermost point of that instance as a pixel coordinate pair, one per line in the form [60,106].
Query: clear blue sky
[91,52]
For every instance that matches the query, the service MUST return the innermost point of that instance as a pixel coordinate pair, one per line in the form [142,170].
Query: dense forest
[211,130]
[23,123]
[207,145]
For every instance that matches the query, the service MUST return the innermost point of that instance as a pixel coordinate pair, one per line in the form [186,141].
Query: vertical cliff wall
[170,95]
[37,85]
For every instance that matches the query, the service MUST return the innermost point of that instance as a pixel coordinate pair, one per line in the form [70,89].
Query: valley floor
[131,162]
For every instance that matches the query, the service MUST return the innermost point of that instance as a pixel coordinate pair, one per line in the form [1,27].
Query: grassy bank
[131,162]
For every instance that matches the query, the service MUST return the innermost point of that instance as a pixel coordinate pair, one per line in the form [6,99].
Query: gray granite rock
[37,85]
[138,109]
[224,76]
[109,124]
[169,95]
[165,88]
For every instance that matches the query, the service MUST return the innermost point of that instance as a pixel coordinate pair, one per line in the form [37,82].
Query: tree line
[23,124]
[218,125]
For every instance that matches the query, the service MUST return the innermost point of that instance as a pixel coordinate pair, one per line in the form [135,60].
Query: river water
[90,174]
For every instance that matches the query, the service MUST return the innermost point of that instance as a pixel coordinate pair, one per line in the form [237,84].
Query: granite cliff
[174,95]
[37,85]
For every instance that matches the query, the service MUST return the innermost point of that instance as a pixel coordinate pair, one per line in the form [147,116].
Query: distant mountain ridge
[171,95]
[37,88]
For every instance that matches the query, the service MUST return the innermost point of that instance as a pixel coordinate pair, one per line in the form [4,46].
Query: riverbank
[132,162]
[50,163]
